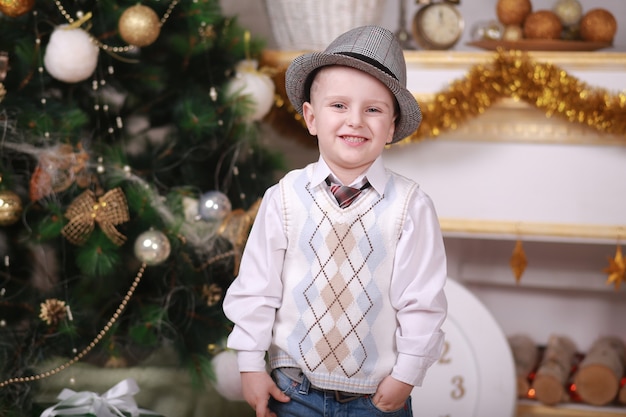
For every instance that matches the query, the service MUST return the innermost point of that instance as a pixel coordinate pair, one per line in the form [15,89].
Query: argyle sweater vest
[336,322]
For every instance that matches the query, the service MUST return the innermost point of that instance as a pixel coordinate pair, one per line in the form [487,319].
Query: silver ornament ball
[152,247]
[214,206]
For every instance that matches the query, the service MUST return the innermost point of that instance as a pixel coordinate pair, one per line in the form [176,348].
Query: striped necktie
[346,195]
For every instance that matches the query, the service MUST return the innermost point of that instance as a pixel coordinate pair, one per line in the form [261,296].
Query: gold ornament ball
[513,12]
[543,24]
[598,25]
[10,207]
[139,25]
[16,8]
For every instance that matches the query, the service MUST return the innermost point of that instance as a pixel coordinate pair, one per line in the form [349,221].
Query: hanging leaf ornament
[518,261]
[57,169]
[616,269]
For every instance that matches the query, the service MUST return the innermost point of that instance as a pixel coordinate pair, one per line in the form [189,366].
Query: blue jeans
[307,401]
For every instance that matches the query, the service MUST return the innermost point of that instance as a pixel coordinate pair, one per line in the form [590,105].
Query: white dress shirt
[419,273]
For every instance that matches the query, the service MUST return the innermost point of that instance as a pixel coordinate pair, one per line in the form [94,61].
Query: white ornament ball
[214,206]
[71,56]
[257,86]
[513,33]
[227,378]
[569,12]
[152,247]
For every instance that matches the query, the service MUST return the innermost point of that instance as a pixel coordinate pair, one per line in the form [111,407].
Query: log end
[548,389]
[596,384]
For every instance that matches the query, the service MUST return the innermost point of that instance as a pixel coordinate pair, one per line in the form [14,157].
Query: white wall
[252,14]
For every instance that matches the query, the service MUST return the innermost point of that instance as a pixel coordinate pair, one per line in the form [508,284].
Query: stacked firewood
[557,373]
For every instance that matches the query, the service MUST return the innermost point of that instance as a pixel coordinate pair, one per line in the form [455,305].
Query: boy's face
[353,116]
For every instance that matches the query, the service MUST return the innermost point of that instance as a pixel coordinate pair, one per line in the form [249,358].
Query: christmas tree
[131,166]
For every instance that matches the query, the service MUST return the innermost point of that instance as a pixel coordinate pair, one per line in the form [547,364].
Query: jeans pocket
[404,411]
[286,384]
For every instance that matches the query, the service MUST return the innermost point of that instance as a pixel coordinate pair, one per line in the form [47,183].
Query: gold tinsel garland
[511,74]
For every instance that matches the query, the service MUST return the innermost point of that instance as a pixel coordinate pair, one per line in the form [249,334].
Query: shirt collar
[376,174]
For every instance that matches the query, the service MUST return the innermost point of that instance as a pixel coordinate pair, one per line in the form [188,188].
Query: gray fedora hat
[371,49]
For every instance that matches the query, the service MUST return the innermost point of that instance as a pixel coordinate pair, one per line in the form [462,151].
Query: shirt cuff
[251,361]
[411,369]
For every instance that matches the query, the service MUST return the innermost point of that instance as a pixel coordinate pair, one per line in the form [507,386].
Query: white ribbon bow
[112,403]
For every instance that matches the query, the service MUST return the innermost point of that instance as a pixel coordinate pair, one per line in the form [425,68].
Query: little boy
[342,288]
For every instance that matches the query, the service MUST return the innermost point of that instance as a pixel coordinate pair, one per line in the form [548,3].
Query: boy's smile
[353,116]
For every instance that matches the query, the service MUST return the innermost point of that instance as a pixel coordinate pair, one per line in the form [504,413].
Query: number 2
[444,355]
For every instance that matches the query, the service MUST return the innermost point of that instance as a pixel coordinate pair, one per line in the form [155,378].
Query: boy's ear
[309,117]
[392,130]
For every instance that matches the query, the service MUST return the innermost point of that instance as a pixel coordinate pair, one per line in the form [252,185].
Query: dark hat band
[370,61]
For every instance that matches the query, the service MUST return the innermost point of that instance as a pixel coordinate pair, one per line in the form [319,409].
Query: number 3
[459,391]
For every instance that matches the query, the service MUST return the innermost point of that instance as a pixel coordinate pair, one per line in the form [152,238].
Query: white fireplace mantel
[514,174]
[513,171]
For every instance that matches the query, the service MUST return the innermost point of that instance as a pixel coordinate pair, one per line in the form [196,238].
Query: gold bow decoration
[108,211]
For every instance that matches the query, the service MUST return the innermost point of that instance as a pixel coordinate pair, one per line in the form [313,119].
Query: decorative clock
[475,376]
[438,25]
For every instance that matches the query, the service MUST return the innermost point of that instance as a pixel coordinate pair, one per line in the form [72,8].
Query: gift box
[116,402]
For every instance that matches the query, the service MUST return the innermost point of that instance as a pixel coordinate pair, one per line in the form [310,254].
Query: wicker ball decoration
[542,24]
[513,12]
[598,25]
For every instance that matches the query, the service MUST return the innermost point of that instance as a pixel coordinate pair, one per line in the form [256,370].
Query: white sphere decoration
[214,206]
[152,247]
[71,56]
[569,12]
[257,86]
[227,378]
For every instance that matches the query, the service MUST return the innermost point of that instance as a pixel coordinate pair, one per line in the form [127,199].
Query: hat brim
[297,82]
